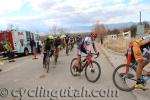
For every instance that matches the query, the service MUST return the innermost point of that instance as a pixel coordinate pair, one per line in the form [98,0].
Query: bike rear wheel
[123,81]
[72,68]
[90,75]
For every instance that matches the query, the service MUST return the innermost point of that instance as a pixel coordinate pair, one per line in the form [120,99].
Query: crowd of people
[54,45]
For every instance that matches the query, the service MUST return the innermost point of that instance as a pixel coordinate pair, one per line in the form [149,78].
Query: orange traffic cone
[34,52]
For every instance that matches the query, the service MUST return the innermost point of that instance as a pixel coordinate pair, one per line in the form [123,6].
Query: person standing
[9,51]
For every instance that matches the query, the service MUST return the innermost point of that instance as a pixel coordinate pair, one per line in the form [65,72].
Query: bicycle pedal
[130,76]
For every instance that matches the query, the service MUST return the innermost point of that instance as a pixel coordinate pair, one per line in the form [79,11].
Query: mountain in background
[83,29]
[119,25]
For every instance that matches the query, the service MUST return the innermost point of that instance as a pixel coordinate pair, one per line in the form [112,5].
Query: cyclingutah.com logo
[69,92]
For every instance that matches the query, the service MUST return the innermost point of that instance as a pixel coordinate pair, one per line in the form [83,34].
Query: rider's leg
[139,58]
[58,50]
[78,59]
[44,57]
[79,62]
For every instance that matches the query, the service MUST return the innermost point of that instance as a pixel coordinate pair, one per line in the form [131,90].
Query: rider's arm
[146,37]
[85,47]
[94,47]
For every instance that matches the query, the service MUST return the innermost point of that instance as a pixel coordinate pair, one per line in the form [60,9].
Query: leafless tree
[100,30]
[56,29]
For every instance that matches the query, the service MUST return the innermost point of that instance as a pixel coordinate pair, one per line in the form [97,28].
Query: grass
[119,45]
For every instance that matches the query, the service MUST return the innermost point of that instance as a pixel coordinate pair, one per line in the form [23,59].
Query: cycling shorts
[81,49]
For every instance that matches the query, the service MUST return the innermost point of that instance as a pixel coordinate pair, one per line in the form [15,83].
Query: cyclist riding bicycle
[78,39]
[83,48]
[47,48]
[138,49]
[67,41]
[72,42]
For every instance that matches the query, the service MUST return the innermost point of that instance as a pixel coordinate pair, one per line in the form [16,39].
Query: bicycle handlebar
[95,54]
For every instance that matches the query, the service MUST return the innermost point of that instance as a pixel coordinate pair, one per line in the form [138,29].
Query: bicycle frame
[87,61]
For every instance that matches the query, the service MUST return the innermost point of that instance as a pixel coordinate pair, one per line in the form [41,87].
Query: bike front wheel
[123,81]
[92,74]
[47,64]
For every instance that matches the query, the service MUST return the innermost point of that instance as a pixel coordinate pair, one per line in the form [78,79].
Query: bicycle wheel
[56,57]
[123,81]
[67,50]
[47,64]
[72,68]
[92,75]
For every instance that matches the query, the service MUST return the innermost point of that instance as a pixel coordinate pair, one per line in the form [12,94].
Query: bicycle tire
[116,81]
[99,74]
[71,67]
[56,58]
[67,51]
[47,64]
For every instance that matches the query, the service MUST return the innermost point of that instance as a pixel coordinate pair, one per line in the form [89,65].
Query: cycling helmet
[93,35]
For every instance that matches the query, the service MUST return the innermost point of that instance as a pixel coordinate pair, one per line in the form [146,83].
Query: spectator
[1,47]
[101,38]
[32,44]
[10,54]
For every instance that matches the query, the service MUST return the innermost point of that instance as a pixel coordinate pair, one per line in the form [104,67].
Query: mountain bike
[124,76]
[88,64]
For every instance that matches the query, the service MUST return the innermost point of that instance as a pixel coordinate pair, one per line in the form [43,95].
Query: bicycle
[86,63]
[127,74]
[47,61]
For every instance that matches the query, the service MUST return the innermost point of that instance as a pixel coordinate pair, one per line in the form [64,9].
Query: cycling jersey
[83,45]
[139,45]
[67,40]
[57,42]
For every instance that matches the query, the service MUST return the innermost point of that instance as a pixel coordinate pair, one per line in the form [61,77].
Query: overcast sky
[76,15]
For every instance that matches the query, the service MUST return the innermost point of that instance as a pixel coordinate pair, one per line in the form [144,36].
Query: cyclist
[137,47]
[47,48]
[67,41]
[57,43]
[83,48]
[72,42]
[78,39]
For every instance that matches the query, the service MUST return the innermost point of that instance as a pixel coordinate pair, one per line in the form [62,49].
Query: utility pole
[140,27]
[140,18]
